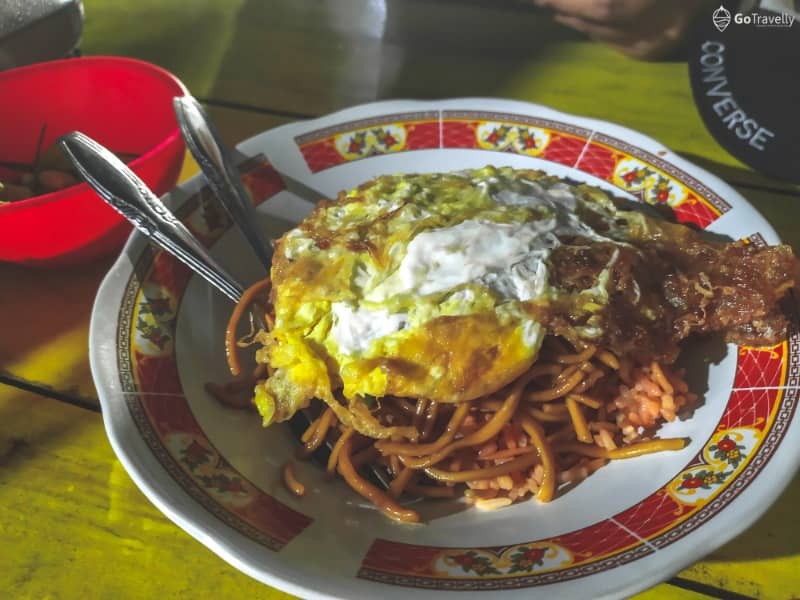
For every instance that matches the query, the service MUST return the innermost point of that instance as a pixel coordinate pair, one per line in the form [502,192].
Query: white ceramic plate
[156,338]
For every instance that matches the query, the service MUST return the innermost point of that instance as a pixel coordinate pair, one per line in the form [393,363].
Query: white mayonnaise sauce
[354,330]
[507,258]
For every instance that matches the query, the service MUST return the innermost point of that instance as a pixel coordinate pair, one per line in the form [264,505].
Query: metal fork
[120,187]
[216,162]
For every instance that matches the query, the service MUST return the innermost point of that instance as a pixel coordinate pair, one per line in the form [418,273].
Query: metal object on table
[216,162]
[37,30]
[115,183]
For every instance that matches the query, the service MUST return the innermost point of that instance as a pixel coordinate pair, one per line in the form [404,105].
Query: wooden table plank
[46,328]
[74,525]
[762,562]
[669,592]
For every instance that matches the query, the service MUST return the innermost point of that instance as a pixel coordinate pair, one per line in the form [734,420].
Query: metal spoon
[216,162]
[115,183]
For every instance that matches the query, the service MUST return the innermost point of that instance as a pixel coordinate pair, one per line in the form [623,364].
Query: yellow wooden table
[72,523]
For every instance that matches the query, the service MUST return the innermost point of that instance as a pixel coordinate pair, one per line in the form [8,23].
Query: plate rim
[229,549]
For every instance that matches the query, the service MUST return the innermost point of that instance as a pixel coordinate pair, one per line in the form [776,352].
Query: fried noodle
[575,409]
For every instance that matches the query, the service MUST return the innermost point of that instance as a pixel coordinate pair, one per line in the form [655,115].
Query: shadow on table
[309,58]
[744,176]
[451,49]
[31,320]
[33,425]
[186,38]
[772,536]
[772,198]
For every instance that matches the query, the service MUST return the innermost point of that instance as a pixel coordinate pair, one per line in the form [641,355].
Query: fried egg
[425,286]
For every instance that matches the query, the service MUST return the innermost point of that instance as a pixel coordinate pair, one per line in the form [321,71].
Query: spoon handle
[216,162]
[115,183]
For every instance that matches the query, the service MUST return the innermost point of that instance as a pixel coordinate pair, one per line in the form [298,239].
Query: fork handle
[216,163]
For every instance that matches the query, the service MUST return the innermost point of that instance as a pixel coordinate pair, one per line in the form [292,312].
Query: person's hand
[647,29]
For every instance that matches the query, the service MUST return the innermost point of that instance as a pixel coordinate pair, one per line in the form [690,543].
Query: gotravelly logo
[768,15]
[722,18]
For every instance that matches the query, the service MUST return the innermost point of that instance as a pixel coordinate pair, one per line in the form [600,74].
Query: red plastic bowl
[124,104]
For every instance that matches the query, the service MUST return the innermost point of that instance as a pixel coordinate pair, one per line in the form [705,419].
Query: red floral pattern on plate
[651,179]
[726,449]
[645,175]
[498,567]
[158,405]
[760,367]
[520,134]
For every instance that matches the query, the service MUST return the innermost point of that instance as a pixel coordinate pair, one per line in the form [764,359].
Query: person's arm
[645,29]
